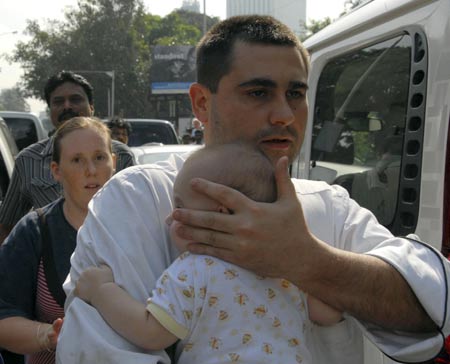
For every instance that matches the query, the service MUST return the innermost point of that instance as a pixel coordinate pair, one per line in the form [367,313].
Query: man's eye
[295,94]
[57,102]
[76,100]
[258,93]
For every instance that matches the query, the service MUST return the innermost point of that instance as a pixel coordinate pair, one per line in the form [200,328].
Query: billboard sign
[173,69]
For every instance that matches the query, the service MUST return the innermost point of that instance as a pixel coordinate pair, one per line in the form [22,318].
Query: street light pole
[112,74]
[204,17]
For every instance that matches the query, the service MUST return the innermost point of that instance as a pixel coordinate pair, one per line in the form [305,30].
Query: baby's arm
[322,314]
[122,312]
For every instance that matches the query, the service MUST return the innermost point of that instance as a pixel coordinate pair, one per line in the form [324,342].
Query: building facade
[290,12]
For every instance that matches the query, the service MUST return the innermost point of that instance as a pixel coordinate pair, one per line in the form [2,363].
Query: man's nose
[282,113]
[67,104]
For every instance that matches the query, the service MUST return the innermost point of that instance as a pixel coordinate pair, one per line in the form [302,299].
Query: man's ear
[200,99]
[91,106]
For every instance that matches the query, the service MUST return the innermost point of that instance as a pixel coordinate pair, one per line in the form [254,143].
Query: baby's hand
[90,281]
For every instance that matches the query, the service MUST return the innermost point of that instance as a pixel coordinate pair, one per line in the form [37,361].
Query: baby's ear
[224,210]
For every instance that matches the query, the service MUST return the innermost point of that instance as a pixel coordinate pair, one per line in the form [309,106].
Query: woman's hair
[215,50]
[77,123]
[237,165]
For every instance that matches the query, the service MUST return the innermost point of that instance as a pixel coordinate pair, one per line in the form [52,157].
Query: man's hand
[270,239]
[273,240]
[90,281]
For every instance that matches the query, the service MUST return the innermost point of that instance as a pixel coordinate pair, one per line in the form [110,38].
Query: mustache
[279,131]
[67,114]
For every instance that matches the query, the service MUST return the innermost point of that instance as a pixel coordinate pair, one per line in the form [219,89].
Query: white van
[26,127]
[379,116]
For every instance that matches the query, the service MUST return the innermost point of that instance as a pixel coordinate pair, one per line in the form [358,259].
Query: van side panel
[381,20]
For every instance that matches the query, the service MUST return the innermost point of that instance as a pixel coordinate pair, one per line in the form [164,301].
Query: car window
[143,133]
[359,123]
[23,131]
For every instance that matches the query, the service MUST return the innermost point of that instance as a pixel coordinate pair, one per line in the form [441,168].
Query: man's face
[120,134]
[67,101]
[261,100]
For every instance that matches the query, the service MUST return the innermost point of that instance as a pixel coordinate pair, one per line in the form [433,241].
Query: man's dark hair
[66,76]
[215,50]
[120,123]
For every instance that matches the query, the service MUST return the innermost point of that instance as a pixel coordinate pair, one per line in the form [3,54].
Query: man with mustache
[32,185]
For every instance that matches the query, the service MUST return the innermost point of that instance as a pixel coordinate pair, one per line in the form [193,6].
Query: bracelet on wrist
[43,341]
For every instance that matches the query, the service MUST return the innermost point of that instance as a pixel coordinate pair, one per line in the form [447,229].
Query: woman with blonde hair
[35,258]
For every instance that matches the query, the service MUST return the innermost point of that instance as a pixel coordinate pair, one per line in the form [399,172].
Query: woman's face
[85,165]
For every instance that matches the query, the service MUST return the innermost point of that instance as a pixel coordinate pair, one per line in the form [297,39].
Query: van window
[359,123]
[23,131]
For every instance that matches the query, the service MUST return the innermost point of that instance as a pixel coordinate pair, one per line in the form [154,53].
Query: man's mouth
[67,114]
[277,142]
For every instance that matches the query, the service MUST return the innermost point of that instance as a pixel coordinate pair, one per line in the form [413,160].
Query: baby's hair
[237,165]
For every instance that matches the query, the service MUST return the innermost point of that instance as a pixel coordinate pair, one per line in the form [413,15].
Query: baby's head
[236,165]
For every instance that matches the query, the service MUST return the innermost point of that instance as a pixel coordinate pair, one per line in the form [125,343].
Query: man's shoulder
[119,147]
[35,149]
[151,175]
[319,188]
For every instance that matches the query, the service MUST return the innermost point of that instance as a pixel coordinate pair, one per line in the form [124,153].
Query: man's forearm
[369,289]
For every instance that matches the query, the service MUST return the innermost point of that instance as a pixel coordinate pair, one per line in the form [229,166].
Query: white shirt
[125,229]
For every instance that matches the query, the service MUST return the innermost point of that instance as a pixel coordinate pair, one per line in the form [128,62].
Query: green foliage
[314,26]
[104,35]
[12,99]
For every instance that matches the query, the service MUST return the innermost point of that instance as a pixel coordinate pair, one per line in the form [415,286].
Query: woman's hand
[47,335]
[90,281]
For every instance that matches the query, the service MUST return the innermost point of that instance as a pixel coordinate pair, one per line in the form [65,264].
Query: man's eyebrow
[265,82]
[298,84]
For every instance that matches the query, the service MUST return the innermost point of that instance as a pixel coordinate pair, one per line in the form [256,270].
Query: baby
[219,311]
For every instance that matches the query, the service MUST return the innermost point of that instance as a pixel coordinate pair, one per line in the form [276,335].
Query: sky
[16,12]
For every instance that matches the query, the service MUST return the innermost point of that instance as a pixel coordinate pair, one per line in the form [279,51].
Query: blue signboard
[173,69]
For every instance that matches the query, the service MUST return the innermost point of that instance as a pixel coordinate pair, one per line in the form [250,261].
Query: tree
[102,35]
[12,99]
[314,26]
